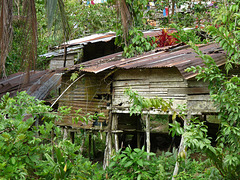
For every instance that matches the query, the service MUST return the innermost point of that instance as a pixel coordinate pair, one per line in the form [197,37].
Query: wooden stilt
[89,145]
[108,148]
[138,140]
[94,148]
[115,126]
[65,133]
[82,144]
[148,133]
[138,136]
[72,135]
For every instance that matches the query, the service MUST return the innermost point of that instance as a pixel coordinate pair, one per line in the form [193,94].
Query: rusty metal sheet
[40,85]
[181,59]
[76,44]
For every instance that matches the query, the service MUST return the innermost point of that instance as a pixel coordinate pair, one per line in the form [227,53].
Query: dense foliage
[224,91]
[31,146]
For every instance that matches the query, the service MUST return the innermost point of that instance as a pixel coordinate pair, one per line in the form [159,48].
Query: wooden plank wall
[91,94]
[199,102]
[57,62]
[167,83]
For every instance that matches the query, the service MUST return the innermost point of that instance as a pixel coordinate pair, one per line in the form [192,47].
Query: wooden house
[158,73]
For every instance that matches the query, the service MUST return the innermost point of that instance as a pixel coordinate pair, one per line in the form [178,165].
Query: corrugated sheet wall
[91,94]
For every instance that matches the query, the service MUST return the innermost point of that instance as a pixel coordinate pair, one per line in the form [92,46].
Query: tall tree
[5,32]
[27,22]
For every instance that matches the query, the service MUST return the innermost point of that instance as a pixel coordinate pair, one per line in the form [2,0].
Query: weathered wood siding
[165,82]
[57,62]
[91,94]
[200,102]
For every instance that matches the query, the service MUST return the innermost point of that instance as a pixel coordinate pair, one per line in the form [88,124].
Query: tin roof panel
[181,59]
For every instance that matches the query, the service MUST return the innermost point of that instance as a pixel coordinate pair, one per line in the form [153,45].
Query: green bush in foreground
[29,150]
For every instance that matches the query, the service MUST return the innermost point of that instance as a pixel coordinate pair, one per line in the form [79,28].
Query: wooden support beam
[72,135]
[114,127]
[65,133]
[89,145]
[138,141]
[147,118]
[94,148]
[138,135]
[108,148]
[82,144]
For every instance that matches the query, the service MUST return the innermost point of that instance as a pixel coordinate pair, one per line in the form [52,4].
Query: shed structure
[158,73]
[86,48]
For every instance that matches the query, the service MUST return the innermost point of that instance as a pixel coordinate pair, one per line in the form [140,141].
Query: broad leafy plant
[31,145]
[131,164]
[20,144]
[224,91]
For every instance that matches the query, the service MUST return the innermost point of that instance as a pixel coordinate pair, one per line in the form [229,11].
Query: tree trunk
[173,8]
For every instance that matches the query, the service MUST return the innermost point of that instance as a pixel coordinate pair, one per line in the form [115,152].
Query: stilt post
[147,117]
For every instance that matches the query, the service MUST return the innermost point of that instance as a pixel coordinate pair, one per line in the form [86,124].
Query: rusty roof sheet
[76,44]
[181,59]
[40,85]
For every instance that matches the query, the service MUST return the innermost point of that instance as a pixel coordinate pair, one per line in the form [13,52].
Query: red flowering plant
[165,38]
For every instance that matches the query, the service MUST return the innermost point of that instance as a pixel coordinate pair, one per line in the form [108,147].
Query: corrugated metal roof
[181,59]
[76,44]
[40,85]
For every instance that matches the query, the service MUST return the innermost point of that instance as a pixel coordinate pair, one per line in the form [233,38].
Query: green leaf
[140,162]
[174,115]
[129,163]
[20,137]
[6,136]
[13,160]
